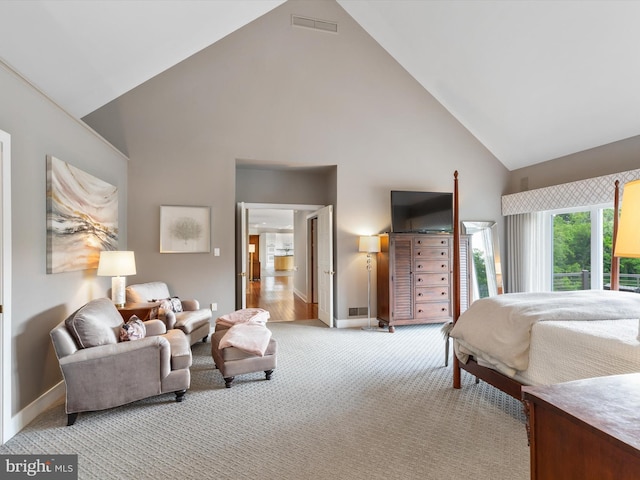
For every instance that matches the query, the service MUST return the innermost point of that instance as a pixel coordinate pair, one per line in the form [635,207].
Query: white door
[325,265]
[6,431]
[241,259]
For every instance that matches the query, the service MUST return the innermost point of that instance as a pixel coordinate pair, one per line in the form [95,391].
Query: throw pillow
[176,304]
[134,329]
[171,304]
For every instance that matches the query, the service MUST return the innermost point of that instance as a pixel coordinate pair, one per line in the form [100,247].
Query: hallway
[275,294]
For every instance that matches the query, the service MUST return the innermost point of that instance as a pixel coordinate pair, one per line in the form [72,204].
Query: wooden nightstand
[144,311]
[586,429]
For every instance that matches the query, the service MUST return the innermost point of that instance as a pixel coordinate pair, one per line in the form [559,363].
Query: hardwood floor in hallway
[275,294]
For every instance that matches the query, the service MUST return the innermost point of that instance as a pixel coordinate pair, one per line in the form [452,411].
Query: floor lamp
[369,244]
[252,250]
[628,236]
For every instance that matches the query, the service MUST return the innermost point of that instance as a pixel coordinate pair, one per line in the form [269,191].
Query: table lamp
[117,264]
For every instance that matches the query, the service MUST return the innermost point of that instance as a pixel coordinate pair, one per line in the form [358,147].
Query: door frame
[312,259]
[242,234]
[6,426]
[324,263]
[242,238]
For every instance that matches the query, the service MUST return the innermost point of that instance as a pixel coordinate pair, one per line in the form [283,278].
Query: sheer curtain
[529,252]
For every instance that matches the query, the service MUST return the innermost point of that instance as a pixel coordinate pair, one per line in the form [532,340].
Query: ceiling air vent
[306,22]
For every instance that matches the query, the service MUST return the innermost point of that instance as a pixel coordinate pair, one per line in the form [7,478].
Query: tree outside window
[573,255]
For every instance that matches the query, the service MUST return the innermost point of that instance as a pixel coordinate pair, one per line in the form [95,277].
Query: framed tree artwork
[185,229]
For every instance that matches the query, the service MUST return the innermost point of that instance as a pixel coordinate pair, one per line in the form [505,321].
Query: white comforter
[497,330]
[564,351]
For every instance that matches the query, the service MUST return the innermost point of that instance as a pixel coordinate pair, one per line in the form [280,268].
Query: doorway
[278,258]
[306,190]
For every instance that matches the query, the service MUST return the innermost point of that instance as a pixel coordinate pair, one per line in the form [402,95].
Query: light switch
[216,252]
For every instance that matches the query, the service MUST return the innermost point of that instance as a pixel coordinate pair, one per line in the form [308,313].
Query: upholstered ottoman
[232,361]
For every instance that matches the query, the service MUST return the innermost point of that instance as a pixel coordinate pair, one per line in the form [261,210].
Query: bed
[518,339]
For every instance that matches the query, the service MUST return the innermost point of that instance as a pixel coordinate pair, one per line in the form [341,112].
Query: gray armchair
[194,321]
[101,372]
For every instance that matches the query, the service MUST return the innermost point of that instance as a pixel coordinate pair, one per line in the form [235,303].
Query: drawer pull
[420,294]
[443,253]
[443,266]
[443,309]
[420,266]
[420,311]
[443,279]
[441,293]
[419,253]
[420,279]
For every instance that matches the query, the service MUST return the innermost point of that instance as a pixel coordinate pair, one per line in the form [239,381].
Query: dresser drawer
[424,279]
[431,253]
[430,294]
[431,242]
[434,309]
[432,266]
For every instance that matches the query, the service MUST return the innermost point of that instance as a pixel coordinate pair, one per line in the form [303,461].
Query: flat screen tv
[421,212]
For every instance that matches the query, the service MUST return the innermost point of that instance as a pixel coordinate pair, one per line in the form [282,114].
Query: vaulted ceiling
[532,80]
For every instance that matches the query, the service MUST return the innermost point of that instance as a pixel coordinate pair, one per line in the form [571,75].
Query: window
[532,215]
[582,248]
[572,260]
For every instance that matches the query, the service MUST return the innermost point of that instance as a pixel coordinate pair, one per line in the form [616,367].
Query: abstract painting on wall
[82,217]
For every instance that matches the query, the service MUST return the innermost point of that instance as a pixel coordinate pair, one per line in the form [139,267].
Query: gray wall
[289,96]
[309,186]
[607,159]
[39,300]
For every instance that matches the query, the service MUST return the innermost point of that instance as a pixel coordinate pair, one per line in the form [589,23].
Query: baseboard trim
[299,294]
[45,401]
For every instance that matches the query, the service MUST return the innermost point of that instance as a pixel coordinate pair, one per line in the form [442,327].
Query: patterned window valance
[592,191]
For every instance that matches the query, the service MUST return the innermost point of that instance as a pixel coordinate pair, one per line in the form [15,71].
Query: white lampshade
[252,248]
[116,263]
[369,244]
[628,238]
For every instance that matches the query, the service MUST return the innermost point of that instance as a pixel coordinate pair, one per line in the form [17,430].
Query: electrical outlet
[214,307]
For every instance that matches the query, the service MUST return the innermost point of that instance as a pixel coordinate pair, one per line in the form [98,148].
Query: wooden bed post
[615,261]
[456,273]
[492,377]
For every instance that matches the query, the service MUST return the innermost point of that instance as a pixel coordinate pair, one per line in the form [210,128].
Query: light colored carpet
[342,404]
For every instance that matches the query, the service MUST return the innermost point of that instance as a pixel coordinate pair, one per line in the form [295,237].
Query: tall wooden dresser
[415,278]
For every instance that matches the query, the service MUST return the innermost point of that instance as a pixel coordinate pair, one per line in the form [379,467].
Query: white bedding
[527,337]
[566,351]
